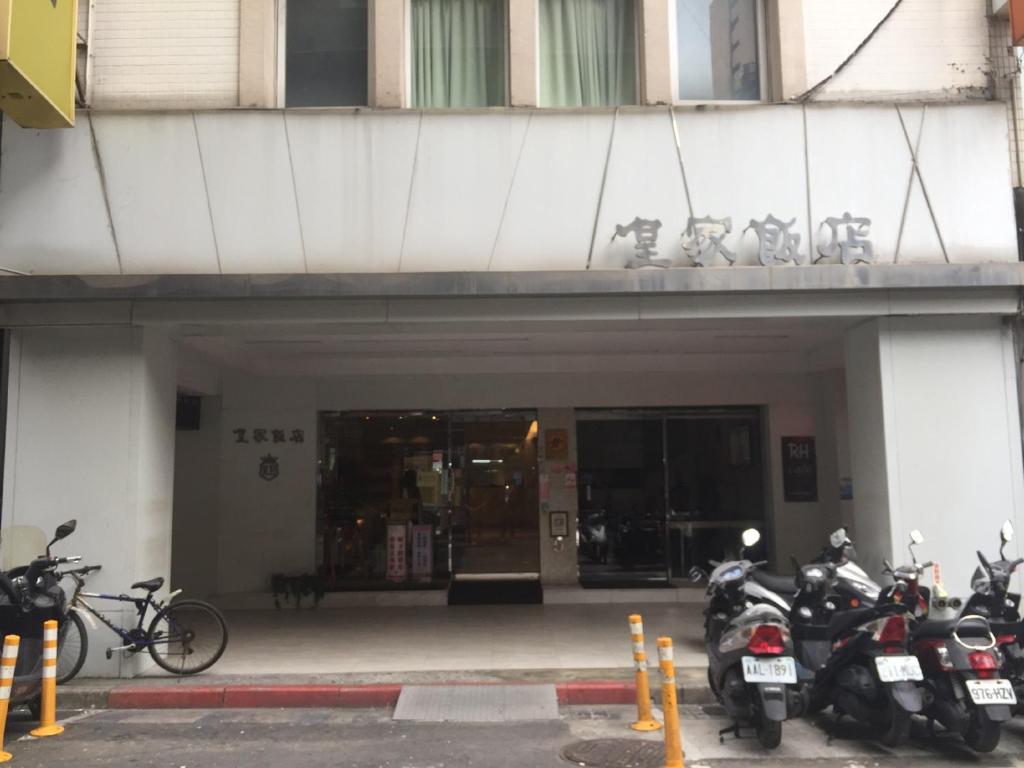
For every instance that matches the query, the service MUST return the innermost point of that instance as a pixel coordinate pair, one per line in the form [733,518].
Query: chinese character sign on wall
[396,569]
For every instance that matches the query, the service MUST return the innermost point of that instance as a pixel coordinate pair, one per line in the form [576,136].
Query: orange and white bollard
[644,719]
[669,705]
[7,662]
[48,711]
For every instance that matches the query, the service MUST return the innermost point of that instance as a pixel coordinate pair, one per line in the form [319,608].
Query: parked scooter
[853,586]
[30,595]
[962,687]
[750,652]
[857,660]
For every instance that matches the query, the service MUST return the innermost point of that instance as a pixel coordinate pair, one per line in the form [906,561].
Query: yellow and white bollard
[673,740]
[7,662]
[644,719]
[48,711]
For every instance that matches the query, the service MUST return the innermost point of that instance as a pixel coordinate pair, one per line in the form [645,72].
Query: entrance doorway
[662,491]
[410,500]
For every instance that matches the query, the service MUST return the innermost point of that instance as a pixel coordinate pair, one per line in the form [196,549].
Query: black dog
[296,587]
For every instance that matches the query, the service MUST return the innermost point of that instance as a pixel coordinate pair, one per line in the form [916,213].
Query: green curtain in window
[458,53]
[587,53]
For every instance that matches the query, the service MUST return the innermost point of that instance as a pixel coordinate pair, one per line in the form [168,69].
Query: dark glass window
[326,60]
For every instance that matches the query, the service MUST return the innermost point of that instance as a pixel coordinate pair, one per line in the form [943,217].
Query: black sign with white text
[799,469]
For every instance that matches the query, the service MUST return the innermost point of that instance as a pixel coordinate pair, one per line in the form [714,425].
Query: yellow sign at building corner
[37,62]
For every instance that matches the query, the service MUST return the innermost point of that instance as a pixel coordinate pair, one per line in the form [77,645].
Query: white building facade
[368,290]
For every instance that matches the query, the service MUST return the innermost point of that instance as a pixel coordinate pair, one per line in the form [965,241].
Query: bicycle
[174,638]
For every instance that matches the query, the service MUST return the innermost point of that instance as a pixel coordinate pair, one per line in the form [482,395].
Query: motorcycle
[853,586]
[30,595]
[854,659]
[961,686]
[751,668]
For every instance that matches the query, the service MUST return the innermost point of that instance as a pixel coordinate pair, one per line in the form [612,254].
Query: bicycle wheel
[73,648]
[187,637]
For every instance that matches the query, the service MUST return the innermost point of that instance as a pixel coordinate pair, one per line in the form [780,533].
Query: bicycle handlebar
[82,571]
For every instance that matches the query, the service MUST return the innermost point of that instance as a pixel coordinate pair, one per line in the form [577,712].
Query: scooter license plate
[898,669]
[777,670]
[991,691]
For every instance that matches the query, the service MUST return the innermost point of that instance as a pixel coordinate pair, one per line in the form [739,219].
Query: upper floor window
[720,50]
[326,63]
[458,53]
[587,53]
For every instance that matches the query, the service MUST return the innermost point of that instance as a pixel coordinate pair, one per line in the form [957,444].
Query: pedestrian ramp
[476,703]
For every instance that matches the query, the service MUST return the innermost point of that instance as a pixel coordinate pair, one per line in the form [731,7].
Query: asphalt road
[370,739]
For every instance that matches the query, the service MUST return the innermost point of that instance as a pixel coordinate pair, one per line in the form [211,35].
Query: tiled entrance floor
[457,639]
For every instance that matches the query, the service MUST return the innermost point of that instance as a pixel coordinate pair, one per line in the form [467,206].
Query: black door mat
[497,592]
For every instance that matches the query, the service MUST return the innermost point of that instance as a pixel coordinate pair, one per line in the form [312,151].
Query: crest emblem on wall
[269,468]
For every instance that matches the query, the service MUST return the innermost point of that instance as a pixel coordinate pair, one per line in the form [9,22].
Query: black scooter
[29,596]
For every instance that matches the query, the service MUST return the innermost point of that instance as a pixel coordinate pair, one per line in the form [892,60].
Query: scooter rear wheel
[983,733]
[898,732]
[769,732]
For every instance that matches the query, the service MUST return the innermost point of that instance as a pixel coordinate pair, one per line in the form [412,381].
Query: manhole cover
[616,753]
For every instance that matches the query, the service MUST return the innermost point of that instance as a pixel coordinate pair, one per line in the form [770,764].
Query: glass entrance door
[494,512]
[661,491]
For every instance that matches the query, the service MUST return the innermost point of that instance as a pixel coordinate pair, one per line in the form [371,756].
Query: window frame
[281,55]
[639,61]
[407,101]
[763,63]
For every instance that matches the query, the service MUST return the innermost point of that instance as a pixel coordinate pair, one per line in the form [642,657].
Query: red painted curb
[369,695]
[328,696]
[596,692]
[286,696]
[170,697]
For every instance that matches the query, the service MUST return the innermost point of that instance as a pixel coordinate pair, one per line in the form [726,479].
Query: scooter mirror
[750,537]
[838,538]
[65,529]
[916,537]
[696,574]
[1006,532]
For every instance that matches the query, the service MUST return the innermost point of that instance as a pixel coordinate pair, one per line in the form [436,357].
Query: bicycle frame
[136,639]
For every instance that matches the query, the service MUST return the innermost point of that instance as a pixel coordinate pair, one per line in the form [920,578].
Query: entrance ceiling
[325,349]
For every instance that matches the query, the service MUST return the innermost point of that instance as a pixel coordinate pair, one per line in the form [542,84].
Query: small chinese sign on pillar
[396,569]
[422,551]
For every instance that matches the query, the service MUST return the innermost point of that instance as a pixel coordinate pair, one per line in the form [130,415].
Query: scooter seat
[784,585]
[150,586]
[968,626]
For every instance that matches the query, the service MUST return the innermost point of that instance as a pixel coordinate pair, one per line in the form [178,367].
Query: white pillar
[90,435]
[934,439]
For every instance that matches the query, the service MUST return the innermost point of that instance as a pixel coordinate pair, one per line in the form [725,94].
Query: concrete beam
[713,280]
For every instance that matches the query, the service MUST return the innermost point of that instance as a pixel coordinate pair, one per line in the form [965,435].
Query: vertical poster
[396,553]
[422,551]
[799,469]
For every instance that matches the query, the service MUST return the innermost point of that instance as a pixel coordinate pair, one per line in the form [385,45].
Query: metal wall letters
[777,242]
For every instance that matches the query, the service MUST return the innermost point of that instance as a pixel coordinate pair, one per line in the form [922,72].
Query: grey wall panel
[53,220]
[550,214]
[964,163]
[396,191]
[252,197]
[157,193]
[746,164]
[643,181]
[464,167]
[840,144]
[352,176]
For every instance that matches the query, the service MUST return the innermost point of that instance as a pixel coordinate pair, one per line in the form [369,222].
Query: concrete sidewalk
[453,638]
[362,657]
